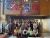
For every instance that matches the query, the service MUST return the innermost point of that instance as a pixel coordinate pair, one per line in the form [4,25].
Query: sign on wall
[26,8]
[36,7]
[12,7]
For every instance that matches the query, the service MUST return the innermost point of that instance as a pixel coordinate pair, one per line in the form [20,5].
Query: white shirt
[34,25]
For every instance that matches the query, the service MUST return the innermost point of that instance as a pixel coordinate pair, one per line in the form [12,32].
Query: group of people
[27,28]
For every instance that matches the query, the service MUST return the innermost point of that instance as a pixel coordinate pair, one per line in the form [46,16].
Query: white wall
[48,24]
[45,24]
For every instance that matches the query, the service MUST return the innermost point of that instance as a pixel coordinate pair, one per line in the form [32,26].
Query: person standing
[10,27]
[31,25]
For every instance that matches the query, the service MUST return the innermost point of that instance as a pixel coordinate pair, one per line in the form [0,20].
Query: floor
[46,35]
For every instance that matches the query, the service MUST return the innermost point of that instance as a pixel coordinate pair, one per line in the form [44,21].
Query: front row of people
[28,29]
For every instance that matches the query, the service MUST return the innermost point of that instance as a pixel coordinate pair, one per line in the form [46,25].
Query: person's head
[35,24]
[36,20]
[30,22]
[16,27]
[15,21]
[10,21]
